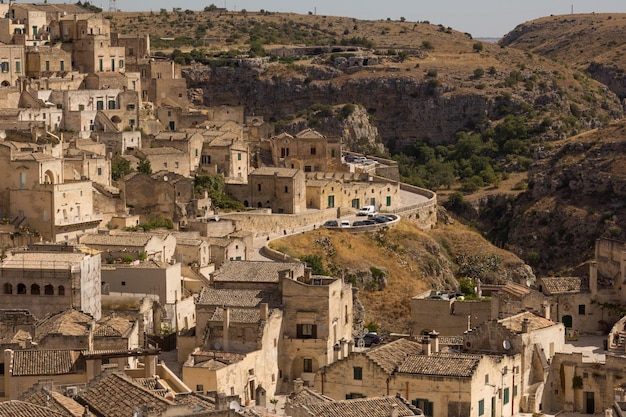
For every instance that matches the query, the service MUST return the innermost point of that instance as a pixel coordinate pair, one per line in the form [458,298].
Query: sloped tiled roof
[512,290]
[46,362]
[68,323]
[370,407]
[535,322]
[253,271]
[139,240]
[199,402]
[237,298]
[57,402]
[441,364]
[113,327]
[238,315]
[25,409]
[271,171]
[389,356]
[116,395]
[561,285]
[307,396]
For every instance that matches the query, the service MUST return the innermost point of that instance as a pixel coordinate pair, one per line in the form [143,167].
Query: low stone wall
[424,214]
[263,222]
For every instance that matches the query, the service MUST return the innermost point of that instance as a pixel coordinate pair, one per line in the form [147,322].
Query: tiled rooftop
[535,322]
[46,362]
[370,407]
[561,285]
[116,395]
[389,356]
[307,396]
[441,364]
[26,409]
[238,315]
[113,327]
[237,298]
[198,402]
[512,290]
[165,150]
[127,240]
[42,260]
[271,171]
[68,323]
[253,271]
[57,402]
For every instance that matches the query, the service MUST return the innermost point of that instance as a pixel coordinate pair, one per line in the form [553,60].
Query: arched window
[61,290]
[34,289]
[21,288]
[48,290]
[8,288]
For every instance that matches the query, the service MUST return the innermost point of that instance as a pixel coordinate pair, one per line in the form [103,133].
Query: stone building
[189,142]
[12,64]
[51,279]
[168,158]
[36,191]
[228,155]
[281,189]
[174,195]
[162,83]
[42,62]
[450,316]
[308,150]
[438,383]
[137,245]
[275,315]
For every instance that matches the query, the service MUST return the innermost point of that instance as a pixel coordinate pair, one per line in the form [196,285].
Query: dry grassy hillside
[415,262]
[578,39]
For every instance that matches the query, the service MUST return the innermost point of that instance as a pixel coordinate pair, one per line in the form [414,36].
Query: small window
[99,171]
[357,373]
[61,290]
[239,156]
[123,283]
[62,65]
[121,63]
[286,189]
[200,388]
[332,153]
[258,187]
[18,66]
[581,309]
[313,151]
[481,407]
[486,379]
[307,365]
[515,390]
[505,400]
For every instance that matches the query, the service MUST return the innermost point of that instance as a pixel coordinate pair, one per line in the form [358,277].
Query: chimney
[298,385]
[226,333]
[546,310]
[394,410]
[264,311]
[86,412]
[525,324]
[221,402]
[426,348]
[434,336]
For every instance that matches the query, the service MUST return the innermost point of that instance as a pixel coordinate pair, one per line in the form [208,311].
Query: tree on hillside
[120,167]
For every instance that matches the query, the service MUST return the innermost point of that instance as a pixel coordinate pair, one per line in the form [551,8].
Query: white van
[344,223]
[367,211]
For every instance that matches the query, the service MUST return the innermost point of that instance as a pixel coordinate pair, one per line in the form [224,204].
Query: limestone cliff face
[407,107]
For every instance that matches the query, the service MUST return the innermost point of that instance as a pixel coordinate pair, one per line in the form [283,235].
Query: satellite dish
[164,177]
[528,283]
[3,135]
[234,405]
[506,345]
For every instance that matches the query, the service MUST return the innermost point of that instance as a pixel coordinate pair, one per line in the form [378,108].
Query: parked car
[369,339]
[344,223]
[331,223]
[367,210]
[349,158]
[380,219]
[367,222]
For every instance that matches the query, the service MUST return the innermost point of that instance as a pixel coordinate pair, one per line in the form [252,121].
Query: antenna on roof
[113,6]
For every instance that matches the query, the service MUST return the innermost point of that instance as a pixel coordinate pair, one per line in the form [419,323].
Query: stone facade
[281,189]
[12,64]
[308,150]
[50,280]
[449,317]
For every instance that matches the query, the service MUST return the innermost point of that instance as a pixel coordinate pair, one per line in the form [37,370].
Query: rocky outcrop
[407,108]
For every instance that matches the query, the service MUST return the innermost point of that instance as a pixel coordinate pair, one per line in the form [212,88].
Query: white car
[367,211]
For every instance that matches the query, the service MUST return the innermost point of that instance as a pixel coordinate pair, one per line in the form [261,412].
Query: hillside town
[128,289]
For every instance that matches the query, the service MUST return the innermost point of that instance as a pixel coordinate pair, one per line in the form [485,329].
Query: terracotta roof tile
[26,409]
[47,362]
[561,285]
[307,396]
[237,298]
[116,395]
[68,323]
[198,402]
[371,407]
[131,240]
[535,322]
[57,402]
[113,327]
[238,315]
[389,356]
[441,364]
[511,290]
[255,271]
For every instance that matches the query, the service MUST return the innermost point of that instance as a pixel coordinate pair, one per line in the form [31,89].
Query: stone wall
[265,223]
